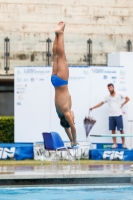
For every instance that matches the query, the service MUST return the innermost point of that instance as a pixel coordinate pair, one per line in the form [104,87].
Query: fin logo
[113,155]
[7,153]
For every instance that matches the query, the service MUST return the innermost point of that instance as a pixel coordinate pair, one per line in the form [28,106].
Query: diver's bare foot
[60,27]
[72,143]
[76,143]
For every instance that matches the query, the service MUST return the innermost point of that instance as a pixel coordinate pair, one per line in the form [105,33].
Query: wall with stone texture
[28,23]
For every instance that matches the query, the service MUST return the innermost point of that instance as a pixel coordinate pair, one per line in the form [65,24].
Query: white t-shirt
[114,103]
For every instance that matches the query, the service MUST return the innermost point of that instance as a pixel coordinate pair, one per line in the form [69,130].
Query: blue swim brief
[57,81]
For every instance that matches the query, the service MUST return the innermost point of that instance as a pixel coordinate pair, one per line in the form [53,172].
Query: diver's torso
[62,99]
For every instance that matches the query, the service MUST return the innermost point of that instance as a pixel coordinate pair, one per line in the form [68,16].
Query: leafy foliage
[6,129]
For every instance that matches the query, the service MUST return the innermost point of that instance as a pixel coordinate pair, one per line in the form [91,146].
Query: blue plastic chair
[53,142]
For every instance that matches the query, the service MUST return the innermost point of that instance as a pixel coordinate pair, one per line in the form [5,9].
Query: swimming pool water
[67,193]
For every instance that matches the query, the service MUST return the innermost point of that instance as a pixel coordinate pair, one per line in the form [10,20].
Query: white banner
[41,154]
[32,103]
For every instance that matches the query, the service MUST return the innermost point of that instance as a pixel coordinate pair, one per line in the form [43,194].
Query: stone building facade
[28,24]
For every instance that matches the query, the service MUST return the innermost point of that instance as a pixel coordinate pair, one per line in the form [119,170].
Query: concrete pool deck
[45,175]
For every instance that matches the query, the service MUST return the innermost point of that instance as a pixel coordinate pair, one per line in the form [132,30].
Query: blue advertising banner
[21,151]
[111,154]
[16,151]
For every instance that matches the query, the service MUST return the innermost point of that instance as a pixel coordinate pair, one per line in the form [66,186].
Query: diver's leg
[68,132]
[55,56]
[70,120]
[63,71]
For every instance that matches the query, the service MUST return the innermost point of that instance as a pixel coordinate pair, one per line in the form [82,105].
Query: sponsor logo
[106,146]
[20,97]
[21,88]
[113,77]
[122,78]
[48,71]
[19,85]
[18,72]
[113,155]
[22,92]
[122,73]
[97,70]
[41,79]
[7,153]
[122,89]
[39,72]
[103,71]
[19,103]
[29,71]
[105,77]
[110,72]
[122,82]
[19,79]
[26,79]
[85,72]
[40,154]
[32,79]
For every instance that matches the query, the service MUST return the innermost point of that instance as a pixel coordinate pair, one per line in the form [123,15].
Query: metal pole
[9,55]
[48,51]
[129,45]
[89,55]
[48,54]
[6,54]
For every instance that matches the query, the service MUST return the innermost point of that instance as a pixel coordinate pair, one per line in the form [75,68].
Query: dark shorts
[116,122]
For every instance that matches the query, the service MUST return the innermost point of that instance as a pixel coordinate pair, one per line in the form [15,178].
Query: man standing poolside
[114,100]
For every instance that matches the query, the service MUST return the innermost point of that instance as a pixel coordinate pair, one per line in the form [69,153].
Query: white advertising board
[100,77]
[32,103]
[125,59]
